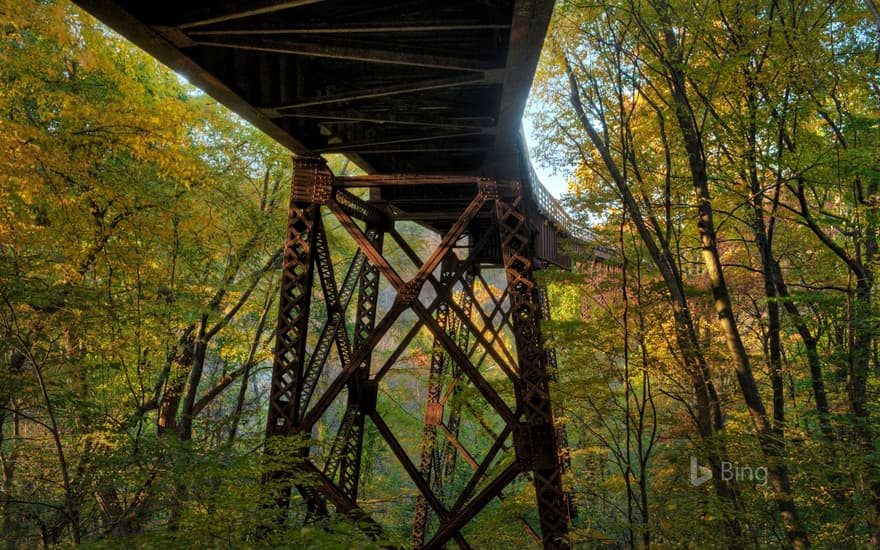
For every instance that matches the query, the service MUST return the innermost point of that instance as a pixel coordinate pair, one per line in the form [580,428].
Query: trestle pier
[487,345]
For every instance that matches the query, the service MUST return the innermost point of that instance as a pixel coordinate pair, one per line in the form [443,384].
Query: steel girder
[468,330]
[537,429]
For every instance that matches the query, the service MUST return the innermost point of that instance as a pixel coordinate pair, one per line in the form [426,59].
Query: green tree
[756,111]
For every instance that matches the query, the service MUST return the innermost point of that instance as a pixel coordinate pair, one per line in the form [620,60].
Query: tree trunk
[178,363]
[707,405]
[768,438]
[246,371]
[811,345]
[192,382]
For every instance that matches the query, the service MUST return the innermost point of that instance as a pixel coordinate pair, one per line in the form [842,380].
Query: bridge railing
[563,224]
[549,207]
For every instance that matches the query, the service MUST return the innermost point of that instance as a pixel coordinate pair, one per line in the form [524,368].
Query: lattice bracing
[470,321]
[534,434]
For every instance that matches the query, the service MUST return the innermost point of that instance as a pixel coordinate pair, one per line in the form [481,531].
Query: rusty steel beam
[354,29]
[453,439]
[358,208]
[431,217]
[407,292]
[535,438]
[447,472]
[465,334]
[505,363]
[465,318]
[452,236]
[296,284]
[401,347]
[489,320]
[469,79]
[363,55]
[421,150]
[561,432]
[503,43]
[365,245]
[450,528]
[361,391]
[453,444]
[341,380]
[331,493]
[408,465]
[365,145]
[464,267]
[387,117]
[405,299]
[336,303]
[149,39]
[386,180]
[480,472]
[433,410]
[238,10]
[485,388]
[311,183]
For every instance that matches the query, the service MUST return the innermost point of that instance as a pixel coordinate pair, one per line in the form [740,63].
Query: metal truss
[470,323]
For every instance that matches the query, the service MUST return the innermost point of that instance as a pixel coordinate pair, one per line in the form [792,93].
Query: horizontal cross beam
[383,180]
[358,147]
[238,10]
[314,28]
[364,55]
[382,118]
[470,79]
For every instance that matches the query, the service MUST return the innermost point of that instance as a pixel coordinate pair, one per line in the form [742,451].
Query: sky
[557,184]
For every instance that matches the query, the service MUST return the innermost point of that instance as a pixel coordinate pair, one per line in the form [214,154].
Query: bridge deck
[415,87]
[419,86]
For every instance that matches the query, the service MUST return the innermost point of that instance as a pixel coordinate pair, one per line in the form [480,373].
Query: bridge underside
[432,91]
[420,86]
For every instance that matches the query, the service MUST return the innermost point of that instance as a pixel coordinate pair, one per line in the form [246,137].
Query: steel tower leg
[295,373]
[535,438]
[311,182]
[344,461]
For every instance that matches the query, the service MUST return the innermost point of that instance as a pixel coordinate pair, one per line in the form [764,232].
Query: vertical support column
[561,433]
[433,409]
[345,456]
[450,453]
[311,186]
[535,438]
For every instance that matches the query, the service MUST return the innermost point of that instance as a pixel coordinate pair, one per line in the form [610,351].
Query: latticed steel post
[310,187]
[535,438]
[463,336]
[448,318]
[561,432]
[433,411]
[344,462]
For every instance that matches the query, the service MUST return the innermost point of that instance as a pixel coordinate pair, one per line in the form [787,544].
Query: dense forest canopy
[727,150]
[731,150]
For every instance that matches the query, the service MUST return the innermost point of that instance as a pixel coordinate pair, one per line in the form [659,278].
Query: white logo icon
[699,474]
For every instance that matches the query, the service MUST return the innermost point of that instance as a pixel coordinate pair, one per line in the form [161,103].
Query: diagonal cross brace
[453,328]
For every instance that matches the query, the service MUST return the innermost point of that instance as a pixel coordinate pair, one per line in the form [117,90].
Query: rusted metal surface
[535,437]
[293,315]
[433,417]
[429,93]
[468,321]
[374,79]
[409,180]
